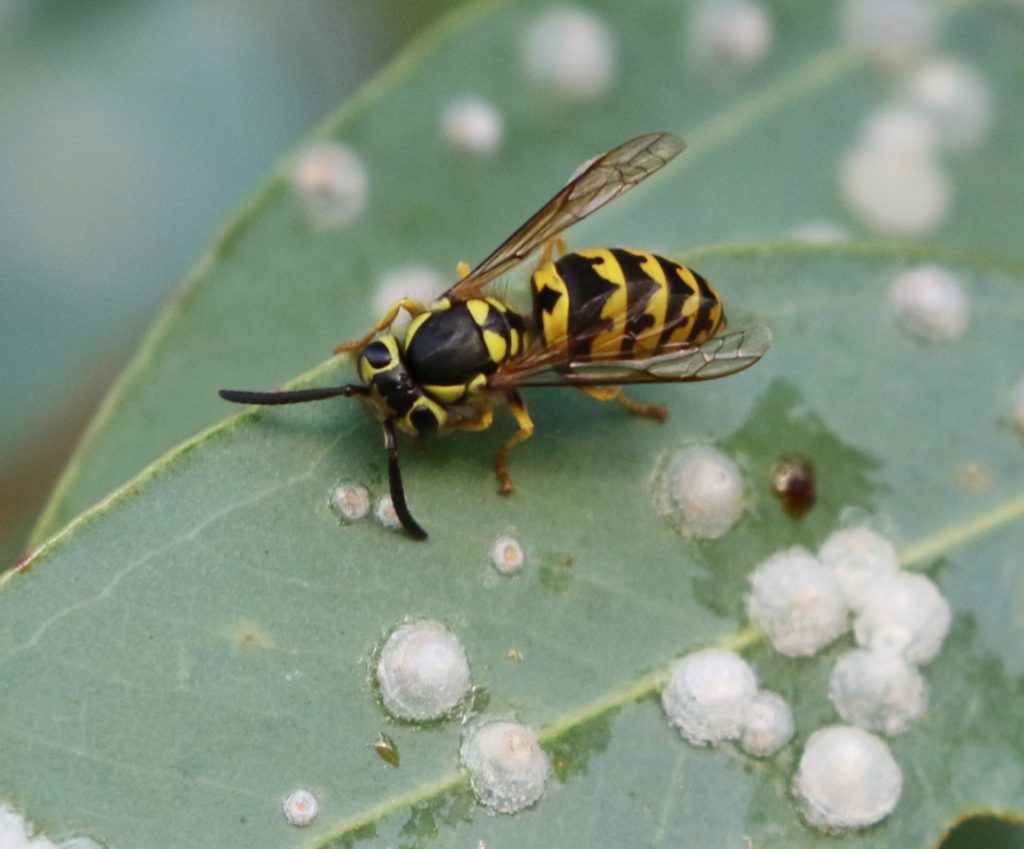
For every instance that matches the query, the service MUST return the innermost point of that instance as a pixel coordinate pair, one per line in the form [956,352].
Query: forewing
[718,357]
[597,183]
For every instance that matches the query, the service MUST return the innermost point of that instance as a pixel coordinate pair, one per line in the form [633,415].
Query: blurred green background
[120,123]
[123,122]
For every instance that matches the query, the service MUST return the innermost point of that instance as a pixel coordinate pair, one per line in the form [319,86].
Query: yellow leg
[485,420]
[615,393]
[462,268]
[556,244]
[408,304]
[515,405]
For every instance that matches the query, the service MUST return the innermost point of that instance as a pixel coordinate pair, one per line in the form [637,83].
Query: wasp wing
[596,183]
[717,357]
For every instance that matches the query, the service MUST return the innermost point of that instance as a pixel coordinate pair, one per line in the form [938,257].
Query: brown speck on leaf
[974,478]
[794,484]
[386,748]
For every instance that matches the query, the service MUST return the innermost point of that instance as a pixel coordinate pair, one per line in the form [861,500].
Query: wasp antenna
[412,527]
[298,396]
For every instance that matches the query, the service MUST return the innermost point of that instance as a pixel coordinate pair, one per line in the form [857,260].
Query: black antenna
[298,396]
[412,527]
[301,396]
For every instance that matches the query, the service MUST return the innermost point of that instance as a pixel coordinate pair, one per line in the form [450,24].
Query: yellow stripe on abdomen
[550,307]
[608,342]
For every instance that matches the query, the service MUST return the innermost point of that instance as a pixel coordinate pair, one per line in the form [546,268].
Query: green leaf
[190,651]
[275,295]
[199,644]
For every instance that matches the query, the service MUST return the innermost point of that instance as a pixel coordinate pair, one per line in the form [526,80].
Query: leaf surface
[201,644]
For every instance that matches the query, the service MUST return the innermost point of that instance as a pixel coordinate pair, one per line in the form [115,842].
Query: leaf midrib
[645,686]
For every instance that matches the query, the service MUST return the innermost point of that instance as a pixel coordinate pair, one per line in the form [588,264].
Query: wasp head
[393,393]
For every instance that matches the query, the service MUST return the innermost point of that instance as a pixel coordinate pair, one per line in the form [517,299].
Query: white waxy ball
[331,183]
[301,808]
[900,131]
[386,513]
[507,555]
[16,833]
[571,50]
[798,602]
[474,125]
[847,778]
[728,35]
[930,303]
[701,489]
[904,614]
[767,726]
[957,99]
[859,558]
[419,282]
[708,695]
[892,192]
[894,33]
[878,691]
[423,672]
[350,501]
[508,770]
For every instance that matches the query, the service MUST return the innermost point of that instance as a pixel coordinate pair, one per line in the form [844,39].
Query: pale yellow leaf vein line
[954,535]
[649,684]
[137,766]
[139,562]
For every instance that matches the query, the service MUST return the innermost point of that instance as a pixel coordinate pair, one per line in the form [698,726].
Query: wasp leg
[485,420]
[518,409]
[615,393]
[553,245]
[411,306]
[462,269]
[412,527]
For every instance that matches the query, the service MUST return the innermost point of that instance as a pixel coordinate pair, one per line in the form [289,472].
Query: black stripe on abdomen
[679,292]
[588,291]
[640,288]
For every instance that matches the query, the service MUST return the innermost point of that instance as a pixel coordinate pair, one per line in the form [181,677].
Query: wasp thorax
[393,392]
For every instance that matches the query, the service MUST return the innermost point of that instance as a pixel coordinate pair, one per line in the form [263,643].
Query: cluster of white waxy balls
[568,51]
[423,675]
[712,697]
[350,502]
[894,179]
[847,777]
[803,603]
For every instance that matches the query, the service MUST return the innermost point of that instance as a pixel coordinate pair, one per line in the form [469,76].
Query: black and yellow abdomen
[617,303]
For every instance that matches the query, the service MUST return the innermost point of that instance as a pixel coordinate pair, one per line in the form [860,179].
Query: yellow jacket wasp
[601,318]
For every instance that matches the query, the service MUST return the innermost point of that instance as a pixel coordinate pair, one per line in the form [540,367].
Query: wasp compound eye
[377,355]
